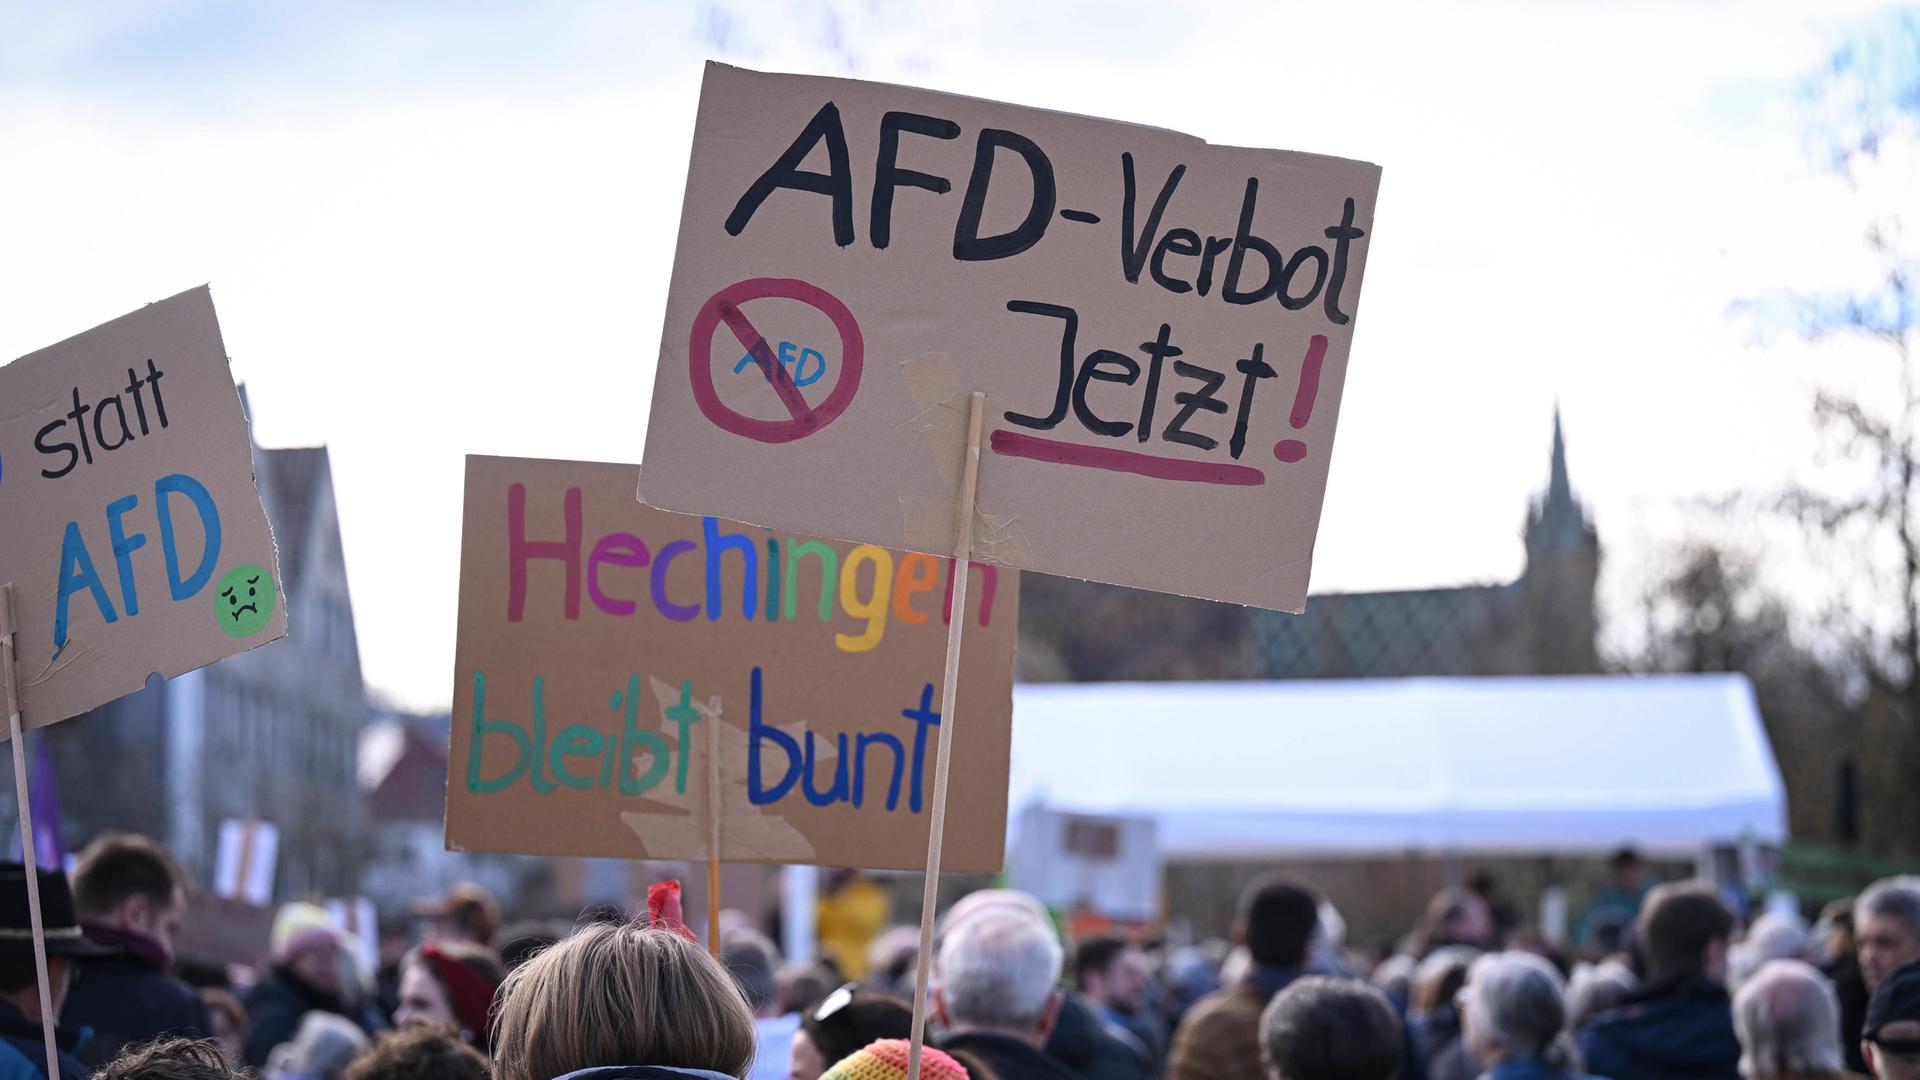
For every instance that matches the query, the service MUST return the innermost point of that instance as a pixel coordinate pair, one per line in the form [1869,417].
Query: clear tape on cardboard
[941,424]
[751,832]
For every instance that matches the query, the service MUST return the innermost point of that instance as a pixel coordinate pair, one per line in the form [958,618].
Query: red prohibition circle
[805,419]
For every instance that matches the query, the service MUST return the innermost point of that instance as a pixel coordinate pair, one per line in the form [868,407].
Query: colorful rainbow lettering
[868,586]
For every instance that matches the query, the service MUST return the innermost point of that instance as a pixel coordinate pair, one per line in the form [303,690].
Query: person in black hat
[1891,1037]
[20,1017]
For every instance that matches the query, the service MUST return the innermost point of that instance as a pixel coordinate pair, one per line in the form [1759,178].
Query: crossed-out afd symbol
[804,419]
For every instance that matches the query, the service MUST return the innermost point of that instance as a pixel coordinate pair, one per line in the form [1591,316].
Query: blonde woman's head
[621,995]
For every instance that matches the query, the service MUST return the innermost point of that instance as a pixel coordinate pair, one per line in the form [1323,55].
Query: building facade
[272,733]
[403,781]
[1544,622]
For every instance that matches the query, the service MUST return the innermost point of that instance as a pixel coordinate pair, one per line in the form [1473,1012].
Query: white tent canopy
[1668,764]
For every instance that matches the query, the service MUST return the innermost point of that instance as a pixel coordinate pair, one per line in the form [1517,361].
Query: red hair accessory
[469,992]
[663,908]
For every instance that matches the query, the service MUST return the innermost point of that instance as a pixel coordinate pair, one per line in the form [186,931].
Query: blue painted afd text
[79,574]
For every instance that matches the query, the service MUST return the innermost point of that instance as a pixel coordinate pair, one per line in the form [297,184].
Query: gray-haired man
[998,993]
[1788,1021]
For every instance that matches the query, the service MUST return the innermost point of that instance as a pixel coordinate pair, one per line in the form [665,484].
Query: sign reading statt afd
[130,527]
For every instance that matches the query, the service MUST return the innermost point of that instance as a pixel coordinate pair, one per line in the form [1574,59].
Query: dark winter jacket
[1436,1039]
[274,1008]
[1149,1027]
[1675,1028]
[130,997]
[1093,1048]
[1009,1058]
[1851,988]
[24,1037]
[1532,1068]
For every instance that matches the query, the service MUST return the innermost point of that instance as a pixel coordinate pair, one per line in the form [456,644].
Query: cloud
[435,229]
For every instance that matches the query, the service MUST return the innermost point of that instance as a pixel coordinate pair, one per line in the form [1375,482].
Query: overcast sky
[435,229]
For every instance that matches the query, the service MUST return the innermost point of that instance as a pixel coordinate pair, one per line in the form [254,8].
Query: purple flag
[43,797]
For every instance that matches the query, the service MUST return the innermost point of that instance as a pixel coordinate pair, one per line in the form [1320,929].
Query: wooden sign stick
[713,834]
[244,872]
[9,663]
[929,901]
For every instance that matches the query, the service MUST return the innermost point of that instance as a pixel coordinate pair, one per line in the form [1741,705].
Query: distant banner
[600,639]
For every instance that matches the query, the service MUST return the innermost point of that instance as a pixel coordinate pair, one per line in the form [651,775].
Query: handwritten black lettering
[836,183]
[887,174]
[1118,368]
[1193,401]
[1255,369]
[1157,350]
[1063,391]
[968,244]
[1133,249]
[1341,235]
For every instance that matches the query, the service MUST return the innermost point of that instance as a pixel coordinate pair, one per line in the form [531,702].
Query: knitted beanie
[300,926]
[886,1059]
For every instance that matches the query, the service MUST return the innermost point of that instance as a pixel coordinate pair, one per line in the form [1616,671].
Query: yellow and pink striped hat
[886,1059]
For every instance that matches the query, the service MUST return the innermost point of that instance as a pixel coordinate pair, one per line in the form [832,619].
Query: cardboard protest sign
[1102,864]
[600,639]
[244,864]
[1161,327]
[129,522]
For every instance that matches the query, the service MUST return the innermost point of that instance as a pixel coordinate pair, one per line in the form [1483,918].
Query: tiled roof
[415,788]
[1462,631]
[1082,630]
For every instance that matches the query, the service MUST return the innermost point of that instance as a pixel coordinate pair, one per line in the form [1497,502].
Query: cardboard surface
[591,658]
[129,522]
[218,931]
[855,257]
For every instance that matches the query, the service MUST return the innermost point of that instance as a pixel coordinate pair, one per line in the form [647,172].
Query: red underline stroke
[1032,447]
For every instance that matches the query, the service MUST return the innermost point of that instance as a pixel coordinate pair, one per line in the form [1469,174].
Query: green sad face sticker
[244,601]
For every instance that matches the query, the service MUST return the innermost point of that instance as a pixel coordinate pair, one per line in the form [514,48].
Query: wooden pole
[936,829]
[9,662]
[713,834]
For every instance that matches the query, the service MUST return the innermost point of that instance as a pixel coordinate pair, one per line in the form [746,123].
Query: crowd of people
[1672,986]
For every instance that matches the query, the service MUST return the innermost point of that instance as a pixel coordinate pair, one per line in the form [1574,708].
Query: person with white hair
[1788,1022]
[997,992]
[1514,1016]
[1776,935]
[321,1049]
[1090,1046]
[1597,988]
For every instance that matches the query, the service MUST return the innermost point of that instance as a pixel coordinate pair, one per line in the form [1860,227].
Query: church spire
[1558,521]
[1559,487]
